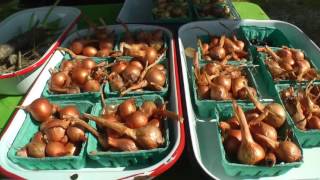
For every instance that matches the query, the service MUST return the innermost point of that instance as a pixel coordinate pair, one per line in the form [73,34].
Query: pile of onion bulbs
[303,105]
[133,75]
[146,45]
[99,44]
[219,81]
[167,9]
[77,75]
[249,138]
[128,127]
[289,64]
[223,49]
[56,136]
[215,8]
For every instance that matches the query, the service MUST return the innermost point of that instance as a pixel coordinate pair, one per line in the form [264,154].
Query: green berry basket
[80,96]
[110,93]
[248,60]
[261,57]
[307,138]
[204,107]
[30,127]
[127,159]
[234,168]
[166,42]
[260,36]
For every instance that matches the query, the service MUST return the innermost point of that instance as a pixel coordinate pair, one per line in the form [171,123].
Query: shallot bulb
[249,152]
[69,110]
[276,113]
[127,107]
[123,144]
[286,151]
[41,109]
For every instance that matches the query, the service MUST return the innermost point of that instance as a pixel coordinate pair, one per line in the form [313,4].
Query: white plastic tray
[14,171]
[203,133]
[20,81]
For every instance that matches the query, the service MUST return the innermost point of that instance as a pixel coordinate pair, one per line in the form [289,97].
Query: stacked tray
[192,11]
[203,124]
[91,160]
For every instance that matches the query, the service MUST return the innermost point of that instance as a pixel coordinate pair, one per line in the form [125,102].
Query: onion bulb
[69,110]
[55,149]
[36,149]
[127,107]
[41,109]
[136,120]
[249,152]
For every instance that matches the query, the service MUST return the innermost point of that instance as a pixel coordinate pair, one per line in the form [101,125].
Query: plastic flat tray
[203,133]
[92,170]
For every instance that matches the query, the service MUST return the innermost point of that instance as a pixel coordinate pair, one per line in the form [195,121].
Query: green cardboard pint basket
[234,168]
[204,107]
[127,159]
[307,138]
[30,127]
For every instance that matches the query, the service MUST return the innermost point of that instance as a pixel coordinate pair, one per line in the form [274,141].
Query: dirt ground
[302,13]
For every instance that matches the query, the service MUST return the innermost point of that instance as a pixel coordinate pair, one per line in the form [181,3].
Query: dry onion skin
[289,64]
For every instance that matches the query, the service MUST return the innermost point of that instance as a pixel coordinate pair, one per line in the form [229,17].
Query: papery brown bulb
[116,83]
[217,53]
[137,64]
[89,51]
[36,149]
[54,133]
[88,64]
[76,134]
[119,66]
[69,110]
[59,79]
[313,123]
[149,108]
[127,107]
[41,109]
[151,55]
[91,85]
[55,149]
[224,81]
[80,75]
[203,92]
[211,68]
[155,78]
[218,92]
[131,73]
[136,120]
[66,65]
[76,47]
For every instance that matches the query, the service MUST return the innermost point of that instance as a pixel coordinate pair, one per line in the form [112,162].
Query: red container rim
[44,58]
